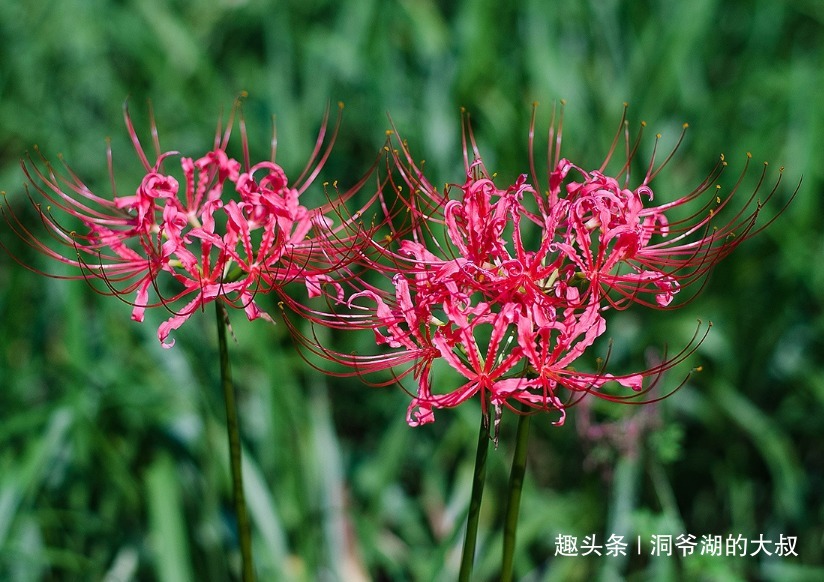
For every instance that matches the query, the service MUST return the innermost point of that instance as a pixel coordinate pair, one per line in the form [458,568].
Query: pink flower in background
[217,229]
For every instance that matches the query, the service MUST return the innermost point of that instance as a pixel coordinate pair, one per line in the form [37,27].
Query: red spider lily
[632,251]
[225,230]
[478,284]
[508,286]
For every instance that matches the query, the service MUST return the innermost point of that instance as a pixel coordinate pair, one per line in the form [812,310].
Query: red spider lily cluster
[224,231]
[508,285]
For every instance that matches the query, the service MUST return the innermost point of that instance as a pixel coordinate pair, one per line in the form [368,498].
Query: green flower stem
[233,429]
[516,484]
[468,557]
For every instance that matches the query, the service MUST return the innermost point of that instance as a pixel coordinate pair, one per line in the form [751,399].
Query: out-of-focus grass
[111,449]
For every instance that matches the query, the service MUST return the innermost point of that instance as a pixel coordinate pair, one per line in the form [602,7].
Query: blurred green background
[112,456]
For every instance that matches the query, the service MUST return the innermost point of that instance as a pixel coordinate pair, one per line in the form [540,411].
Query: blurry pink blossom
[218,229]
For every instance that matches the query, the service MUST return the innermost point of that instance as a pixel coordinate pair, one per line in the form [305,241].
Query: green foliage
[113,464]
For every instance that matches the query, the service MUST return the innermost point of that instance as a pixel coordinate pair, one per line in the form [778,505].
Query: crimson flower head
[509,285]
[195,229]
[630,250]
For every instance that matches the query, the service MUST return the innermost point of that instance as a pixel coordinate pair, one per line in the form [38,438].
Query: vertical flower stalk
[474,513]
[513,502]
[235,451]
